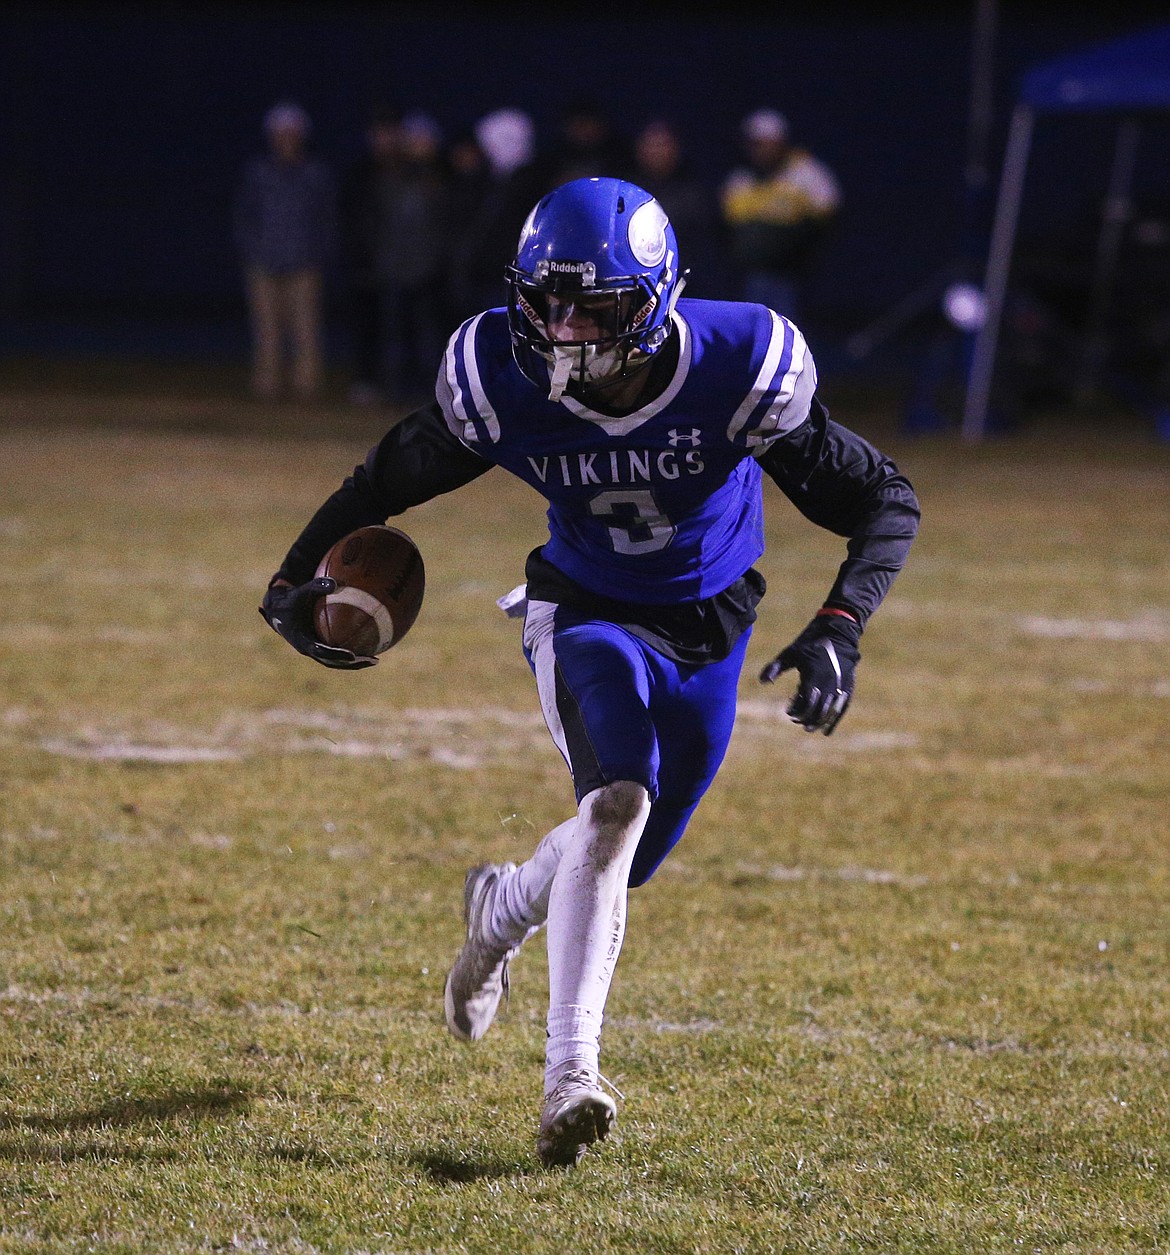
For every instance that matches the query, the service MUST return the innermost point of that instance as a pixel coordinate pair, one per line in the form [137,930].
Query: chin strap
[559,378]
[678,291]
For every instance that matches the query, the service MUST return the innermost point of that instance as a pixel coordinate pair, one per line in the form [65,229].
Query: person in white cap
[285,223]
[486,238]
[777,208]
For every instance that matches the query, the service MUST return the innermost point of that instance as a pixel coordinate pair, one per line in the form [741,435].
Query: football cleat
[576,1114]
[478,979]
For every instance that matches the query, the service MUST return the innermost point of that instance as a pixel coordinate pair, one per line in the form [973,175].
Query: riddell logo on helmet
[586,271]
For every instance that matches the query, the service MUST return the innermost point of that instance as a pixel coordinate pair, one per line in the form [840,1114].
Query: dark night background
[123,131]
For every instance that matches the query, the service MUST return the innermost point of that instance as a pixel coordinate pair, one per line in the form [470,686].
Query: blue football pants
[619,710]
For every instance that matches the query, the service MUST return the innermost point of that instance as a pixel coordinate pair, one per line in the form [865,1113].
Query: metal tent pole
[1003,234]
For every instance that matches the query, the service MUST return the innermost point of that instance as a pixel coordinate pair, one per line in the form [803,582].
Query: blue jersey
[662,505]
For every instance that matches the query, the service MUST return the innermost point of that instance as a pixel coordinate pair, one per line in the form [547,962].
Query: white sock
[587,922]
[574,1041]
[520,905]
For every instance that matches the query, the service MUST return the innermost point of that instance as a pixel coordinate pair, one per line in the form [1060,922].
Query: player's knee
[616,813]
[618,805]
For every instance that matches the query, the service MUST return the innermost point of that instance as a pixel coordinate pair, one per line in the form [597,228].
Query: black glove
[825,655]
[289,611]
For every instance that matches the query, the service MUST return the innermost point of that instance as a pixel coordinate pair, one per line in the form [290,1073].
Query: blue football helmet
[593,284]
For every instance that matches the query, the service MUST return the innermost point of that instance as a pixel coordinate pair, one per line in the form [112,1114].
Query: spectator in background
[470,183]
[692,209]
[506,187]
[412,248]
[360,222]
[777,209]
[284,229]
[589,146]
[469,175]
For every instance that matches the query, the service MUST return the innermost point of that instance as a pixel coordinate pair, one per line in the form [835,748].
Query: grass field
[899,989]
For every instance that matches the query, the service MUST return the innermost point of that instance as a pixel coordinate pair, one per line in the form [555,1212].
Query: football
[380,581]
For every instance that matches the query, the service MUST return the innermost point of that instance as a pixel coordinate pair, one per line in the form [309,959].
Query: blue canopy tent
[1125,77]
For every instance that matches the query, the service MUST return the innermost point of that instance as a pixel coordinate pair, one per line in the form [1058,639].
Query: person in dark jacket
[411,259]
[692,207]
[360,217]
[496,197]
[588,146]
[285,226]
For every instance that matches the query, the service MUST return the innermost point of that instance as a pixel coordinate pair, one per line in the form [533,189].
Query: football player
[648,421]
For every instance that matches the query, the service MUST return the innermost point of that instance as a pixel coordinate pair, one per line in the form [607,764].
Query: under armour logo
[677,437]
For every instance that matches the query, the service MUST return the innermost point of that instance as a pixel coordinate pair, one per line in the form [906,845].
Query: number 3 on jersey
[633,519]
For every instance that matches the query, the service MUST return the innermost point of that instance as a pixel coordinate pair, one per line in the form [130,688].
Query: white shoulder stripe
[788,397]
[478,396]
[453,379]
[763,379]
[451,396]
[464,406]
[793,399]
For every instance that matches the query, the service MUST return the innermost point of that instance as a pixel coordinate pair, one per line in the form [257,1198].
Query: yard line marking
[456,738]
[343,749]
[38,635]
[1147,626]
[634,1023]
[112,751]
[1090,684]
[453,758]
[863,875]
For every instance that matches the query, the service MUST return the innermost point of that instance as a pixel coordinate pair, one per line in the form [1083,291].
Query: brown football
[380,581]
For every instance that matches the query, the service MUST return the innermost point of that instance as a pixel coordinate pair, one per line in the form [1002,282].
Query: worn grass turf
[899,989]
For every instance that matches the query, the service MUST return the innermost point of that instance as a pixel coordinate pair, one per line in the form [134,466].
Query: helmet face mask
[583,316]
[592,287]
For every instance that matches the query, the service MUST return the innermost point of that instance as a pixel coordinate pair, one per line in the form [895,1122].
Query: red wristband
[825,611]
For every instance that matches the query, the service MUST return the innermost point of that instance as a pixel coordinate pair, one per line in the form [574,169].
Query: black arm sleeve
[413,462]
[842,483]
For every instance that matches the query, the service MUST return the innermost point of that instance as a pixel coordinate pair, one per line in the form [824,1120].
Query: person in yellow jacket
[777,209]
